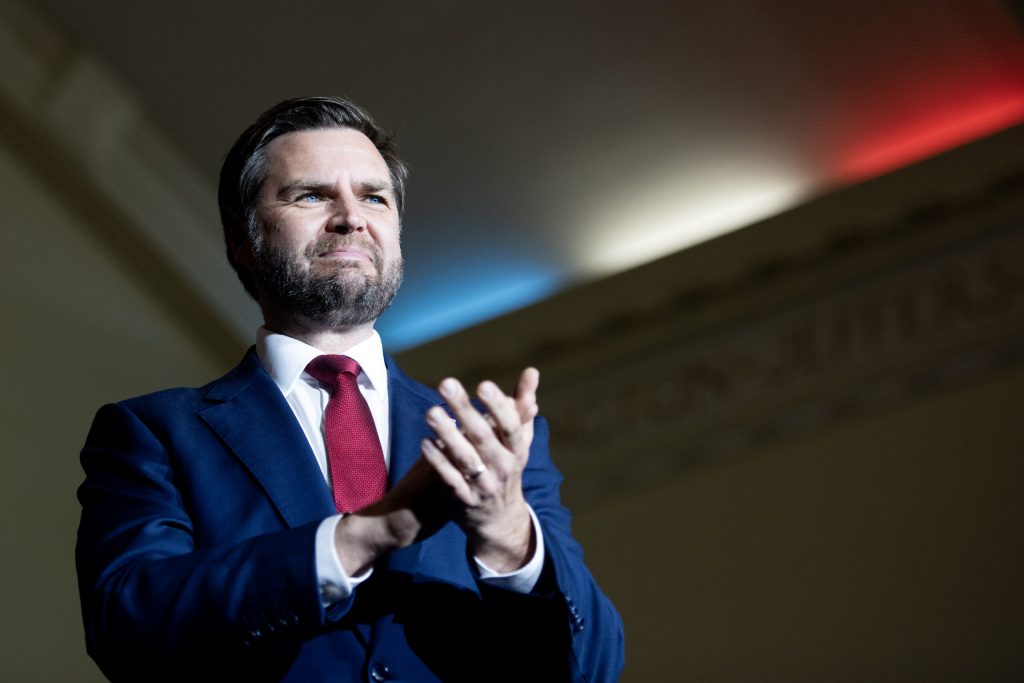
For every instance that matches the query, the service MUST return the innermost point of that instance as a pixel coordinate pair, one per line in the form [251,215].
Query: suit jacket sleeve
[153,589]
[596,634]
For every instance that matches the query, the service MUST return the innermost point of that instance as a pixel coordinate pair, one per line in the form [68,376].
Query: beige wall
[79,330]
[886,549]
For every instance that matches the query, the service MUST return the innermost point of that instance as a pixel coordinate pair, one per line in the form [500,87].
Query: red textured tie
[354,455]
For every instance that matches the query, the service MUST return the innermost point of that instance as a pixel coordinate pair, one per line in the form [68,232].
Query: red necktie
[354,455]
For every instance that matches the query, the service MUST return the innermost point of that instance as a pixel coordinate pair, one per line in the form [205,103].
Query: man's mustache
[329,243]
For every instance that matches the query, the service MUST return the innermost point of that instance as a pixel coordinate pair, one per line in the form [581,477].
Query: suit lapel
[251,416]
[442,557]
[409,403]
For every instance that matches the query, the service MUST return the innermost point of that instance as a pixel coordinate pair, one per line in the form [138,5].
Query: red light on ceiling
[919,137]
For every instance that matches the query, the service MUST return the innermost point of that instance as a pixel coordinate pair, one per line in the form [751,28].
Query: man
[314,514]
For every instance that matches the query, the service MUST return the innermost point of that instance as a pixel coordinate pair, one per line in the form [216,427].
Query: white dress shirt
[285,359]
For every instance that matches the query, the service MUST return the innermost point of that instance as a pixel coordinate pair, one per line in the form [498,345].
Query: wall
[886,549]
[79,330]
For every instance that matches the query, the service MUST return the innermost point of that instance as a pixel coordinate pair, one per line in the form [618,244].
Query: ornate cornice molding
[679,396]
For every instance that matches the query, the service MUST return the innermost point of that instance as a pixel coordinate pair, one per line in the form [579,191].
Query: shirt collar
[285,359]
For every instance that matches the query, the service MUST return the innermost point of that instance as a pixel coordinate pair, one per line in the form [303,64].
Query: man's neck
[328,340]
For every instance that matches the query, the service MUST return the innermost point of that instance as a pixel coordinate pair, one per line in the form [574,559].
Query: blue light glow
[431,305]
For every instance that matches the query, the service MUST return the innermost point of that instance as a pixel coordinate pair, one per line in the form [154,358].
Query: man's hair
[245,166]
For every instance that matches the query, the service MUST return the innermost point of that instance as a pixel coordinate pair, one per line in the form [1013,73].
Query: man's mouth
[346,254]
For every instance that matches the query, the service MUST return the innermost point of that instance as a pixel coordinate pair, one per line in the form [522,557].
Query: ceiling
[556,142]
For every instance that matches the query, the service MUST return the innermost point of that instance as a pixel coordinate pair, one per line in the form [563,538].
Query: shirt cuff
[335,584]
[523,579]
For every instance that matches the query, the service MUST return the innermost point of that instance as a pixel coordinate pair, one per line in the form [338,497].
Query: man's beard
[343,297]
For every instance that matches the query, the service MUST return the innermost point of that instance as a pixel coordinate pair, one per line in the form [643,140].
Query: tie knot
[330,367]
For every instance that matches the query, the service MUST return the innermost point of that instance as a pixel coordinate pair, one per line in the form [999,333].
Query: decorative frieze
[670,394]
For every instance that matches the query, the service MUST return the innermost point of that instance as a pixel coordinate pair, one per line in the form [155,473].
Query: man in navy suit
[210,545]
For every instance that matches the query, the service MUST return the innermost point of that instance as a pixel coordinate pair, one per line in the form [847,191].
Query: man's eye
[376,199]
[308,198]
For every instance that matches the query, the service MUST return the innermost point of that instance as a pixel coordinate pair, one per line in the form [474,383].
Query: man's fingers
[481,459]
[503,413]
[498,440]
[526,394]
[448,472]
[478,430]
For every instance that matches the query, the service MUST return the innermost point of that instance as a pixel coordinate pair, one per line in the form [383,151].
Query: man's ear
[241,249]
[239,254]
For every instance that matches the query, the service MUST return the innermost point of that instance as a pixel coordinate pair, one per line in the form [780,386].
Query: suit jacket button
[379,672]
[329,593]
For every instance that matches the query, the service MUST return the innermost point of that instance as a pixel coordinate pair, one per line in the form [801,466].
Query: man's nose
[347,217]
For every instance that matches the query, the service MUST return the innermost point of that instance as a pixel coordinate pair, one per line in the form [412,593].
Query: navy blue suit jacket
[196,558]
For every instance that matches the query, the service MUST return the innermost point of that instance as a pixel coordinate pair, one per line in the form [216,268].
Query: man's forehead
[324,150]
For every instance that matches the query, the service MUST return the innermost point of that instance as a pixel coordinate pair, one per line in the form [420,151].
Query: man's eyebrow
[320,187]
[375,186]
[303,185]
